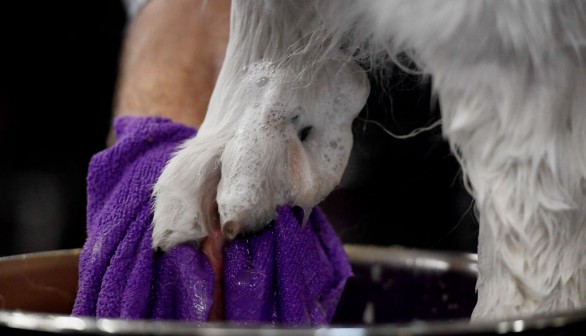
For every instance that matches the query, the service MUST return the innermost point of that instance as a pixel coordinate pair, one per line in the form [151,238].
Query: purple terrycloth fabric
[286,274]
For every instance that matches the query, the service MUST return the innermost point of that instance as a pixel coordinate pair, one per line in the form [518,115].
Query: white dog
[511,80]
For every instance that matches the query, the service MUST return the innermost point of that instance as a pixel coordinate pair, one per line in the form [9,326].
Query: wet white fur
[247,158]
[510,77]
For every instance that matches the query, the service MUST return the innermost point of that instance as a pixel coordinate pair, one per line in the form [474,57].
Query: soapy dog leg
[277,131]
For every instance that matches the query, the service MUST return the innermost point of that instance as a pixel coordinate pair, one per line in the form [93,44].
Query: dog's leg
[511,80]
[277,130]
[521,132]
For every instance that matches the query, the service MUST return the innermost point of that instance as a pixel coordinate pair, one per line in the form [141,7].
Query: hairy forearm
[171,58]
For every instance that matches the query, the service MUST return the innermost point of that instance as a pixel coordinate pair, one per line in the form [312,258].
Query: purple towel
[285,274]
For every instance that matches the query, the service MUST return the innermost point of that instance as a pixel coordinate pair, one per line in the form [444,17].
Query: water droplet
[262,81]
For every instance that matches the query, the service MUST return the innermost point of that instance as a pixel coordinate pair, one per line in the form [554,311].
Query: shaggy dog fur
[509,75]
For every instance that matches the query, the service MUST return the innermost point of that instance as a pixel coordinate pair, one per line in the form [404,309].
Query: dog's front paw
[277,138]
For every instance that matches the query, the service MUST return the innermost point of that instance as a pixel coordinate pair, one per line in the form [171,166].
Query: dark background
[58,67]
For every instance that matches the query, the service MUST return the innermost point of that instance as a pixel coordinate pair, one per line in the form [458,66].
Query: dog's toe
[185,207]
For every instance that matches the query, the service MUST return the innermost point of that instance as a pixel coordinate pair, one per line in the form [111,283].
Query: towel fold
[285,274]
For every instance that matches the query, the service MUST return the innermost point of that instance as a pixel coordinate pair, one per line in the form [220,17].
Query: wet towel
[286,274]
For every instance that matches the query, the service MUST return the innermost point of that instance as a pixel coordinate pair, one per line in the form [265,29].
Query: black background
[58,66]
